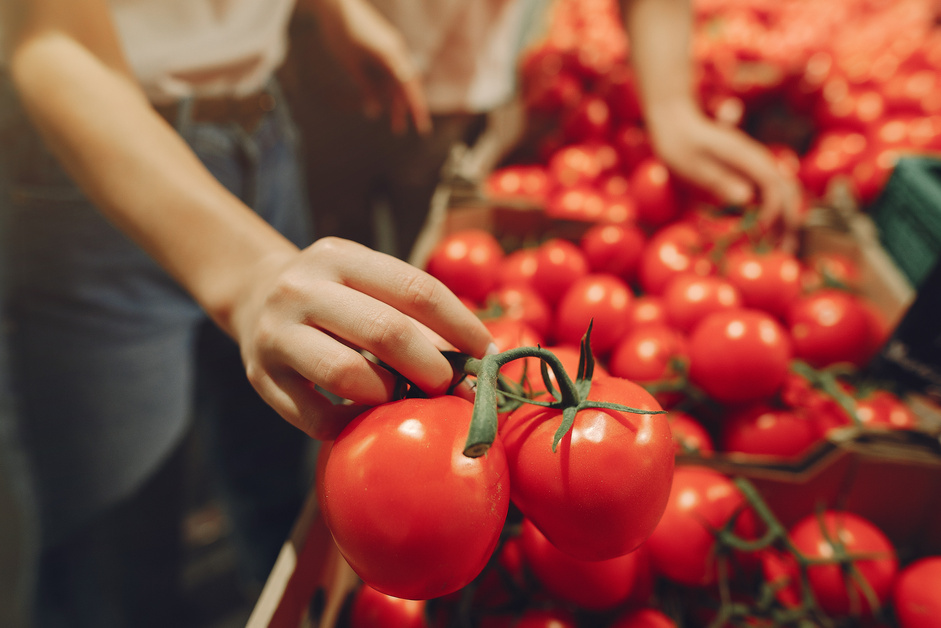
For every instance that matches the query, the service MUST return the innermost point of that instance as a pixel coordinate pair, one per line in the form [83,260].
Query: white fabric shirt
[179,48]
[465,50]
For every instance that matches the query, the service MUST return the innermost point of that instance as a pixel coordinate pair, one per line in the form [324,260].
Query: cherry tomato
[673,250]
[373,609]
[575,164]
[614,249]
[558,264]
[767,281]
[646,309]
[688,298]
[467,262]
[523,182]
[683,546]
[589,119]
[915,594]
[830,326]
[763,430]
[599,299]
[397,484]
[601,493]
[739,355]
[871,554]
[590,584]
[579,202]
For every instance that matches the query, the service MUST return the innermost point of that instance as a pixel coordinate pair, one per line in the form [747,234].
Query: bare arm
[294,313]
[721,159]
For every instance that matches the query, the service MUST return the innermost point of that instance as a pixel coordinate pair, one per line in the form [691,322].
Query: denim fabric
[112,361]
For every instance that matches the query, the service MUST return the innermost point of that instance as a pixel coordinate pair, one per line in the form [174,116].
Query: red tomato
[633,145]
[518,267]
[818,536]
[603,490]
[575,164]
[654,192]
[761,429]
[650,354]
[559,263]
[915,594]
[614,249]
[644,618]
[767,281]
[673,250]
[688,298]
[620,91]
[599,299]
[525,182]
[830,326]
[521,302]
[511,333]
[372,609]
[591,584]
[580,202]
[689,435]
[740,355]
[881,408]
[546,618]
[467,262]
[589,119]
[645,309]
[683,546]
[397,483]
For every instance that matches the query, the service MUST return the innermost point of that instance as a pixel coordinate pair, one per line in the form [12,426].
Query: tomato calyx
[570,396]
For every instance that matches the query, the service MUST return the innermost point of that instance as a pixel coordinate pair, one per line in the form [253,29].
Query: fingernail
[492,349]
[465,390]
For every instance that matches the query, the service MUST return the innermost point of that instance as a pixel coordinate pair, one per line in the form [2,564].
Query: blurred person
[377,139]
[160,268]
[724,160]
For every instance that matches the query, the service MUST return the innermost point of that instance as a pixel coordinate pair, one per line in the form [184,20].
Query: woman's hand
[729,164]
[305,318]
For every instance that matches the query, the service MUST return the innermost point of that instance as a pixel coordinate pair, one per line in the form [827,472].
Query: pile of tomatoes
[707,340]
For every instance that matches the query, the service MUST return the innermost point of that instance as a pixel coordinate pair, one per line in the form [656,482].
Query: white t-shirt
[179,48]
[465,50]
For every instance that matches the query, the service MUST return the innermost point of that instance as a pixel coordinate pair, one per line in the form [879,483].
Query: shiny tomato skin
[915,594]
[581,202]
[682,547]
[646,309]
[591,584]
[598,299]
[523,182]
[467,262]
[510,333]
[688,298]
[601,493]
[814,536]
[614,249]
[650,354]
[372,609]
[881,408]
[412,515]
[767,281]
[644,618]
[739,355]
[521,302]
[559,263]
[518,268]
[575,164]
[672,250]
[763,430]
[830,326]
[690,435]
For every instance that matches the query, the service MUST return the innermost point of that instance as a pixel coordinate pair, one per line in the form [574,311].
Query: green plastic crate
[908,216]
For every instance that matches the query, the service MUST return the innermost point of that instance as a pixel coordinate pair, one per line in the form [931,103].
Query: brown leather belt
[246,111]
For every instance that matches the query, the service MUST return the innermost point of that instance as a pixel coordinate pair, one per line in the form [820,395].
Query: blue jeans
[112,361]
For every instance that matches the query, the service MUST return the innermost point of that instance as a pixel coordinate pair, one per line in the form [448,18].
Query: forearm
[660,34]
[139,172]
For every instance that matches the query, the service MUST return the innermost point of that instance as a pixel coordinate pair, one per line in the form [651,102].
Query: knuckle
[421,292]
[386,332]
[336,373]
